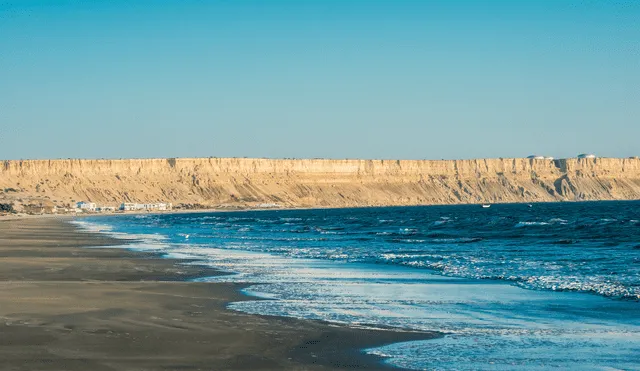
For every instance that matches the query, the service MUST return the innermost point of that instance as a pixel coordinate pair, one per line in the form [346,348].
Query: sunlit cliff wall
[323,183]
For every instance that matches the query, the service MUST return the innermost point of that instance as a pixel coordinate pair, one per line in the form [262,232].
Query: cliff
[323,183]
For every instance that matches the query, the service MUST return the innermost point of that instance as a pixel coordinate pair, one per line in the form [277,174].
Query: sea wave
[505,297]
[530,224]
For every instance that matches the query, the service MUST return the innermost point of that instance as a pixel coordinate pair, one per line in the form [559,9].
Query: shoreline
[46,259]
[205,211]
[18,216]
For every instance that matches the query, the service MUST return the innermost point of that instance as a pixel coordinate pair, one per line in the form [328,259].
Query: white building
[535,157]
[86,206]
[586,155]
[130,206]
[269,206]
[164,206]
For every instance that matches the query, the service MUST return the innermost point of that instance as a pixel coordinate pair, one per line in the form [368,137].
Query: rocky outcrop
[322,183]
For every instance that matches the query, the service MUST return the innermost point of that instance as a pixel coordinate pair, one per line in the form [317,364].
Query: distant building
[269,205]
[86,206]
[535,157]
[548,158]
[164,206]
[130,206]
[586,155]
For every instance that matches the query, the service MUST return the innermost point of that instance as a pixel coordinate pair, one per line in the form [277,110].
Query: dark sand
[65,307]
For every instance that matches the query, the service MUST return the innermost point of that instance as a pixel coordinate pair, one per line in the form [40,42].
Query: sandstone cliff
[323,183]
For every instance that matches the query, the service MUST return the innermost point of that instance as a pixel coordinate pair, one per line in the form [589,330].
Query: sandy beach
[64,306]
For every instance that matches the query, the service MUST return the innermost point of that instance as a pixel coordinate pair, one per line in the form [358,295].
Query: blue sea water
[525,287]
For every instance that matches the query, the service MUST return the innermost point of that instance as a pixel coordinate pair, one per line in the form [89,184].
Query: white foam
[528,224]
[492,316]
[91,226]
[145,242]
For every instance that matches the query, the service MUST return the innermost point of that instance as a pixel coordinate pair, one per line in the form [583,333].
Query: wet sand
[66,307]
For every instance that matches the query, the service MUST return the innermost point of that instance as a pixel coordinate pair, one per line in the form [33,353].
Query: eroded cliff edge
[218,182]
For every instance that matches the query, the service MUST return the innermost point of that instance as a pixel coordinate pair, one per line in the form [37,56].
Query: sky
[307,79]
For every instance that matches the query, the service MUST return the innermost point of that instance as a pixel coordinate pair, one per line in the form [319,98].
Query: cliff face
[323,183]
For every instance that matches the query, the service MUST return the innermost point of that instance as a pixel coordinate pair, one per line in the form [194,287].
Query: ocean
[510,287]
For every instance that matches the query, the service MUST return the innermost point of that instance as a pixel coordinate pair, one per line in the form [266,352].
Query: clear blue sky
[338,79]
